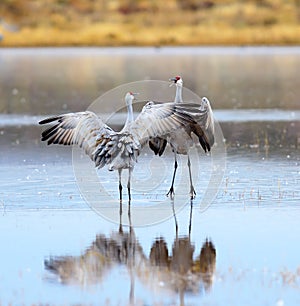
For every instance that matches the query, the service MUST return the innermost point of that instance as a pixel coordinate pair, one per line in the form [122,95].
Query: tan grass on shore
[150,23]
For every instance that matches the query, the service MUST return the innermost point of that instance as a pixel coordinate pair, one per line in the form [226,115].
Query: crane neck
[178,96]
[129,114]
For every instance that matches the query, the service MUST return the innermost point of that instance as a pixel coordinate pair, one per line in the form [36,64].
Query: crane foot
[192,193]
[171,193]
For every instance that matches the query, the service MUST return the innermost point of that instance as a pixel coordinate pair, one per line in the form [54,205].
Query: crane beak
[135,94]
[173,80]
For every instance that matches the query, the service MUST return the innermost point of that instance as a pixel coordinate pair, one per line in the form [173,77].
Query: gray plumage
[181,140]
[119,150]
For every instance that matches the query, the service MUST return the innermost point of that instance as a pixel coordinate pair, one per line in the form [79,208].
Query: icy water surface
[243,250]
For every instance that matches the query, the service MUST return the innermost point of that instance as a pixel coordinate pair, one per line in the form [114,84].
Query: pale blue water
[253,222]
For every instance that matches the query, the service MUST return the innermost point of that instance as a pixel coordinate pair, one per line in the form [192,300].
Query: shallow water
[242,250]
[57,250]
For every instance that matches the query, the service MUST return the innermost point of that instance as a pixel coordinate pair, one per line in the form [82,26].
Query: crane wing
[204,126]
[161,119]
[121,149]
[158,145]
[205,119]
[158,120]
[82,129]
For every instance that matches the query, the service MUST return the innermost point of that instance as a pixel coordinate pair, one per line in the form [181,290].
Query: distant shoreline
[26,23]
[152,50]
[99,35]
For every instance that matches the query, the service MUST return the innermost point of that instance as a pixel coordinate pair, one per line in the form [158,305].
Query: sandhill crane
[179,84]
[119,150]
[180,140]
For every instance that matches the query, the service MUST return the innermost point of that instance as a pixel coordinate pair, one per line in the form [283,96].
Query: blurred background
[149,23]
[242,55]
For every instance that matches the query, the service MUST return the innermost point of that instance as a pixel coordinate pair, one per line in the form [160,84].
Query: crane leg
[120,184]
[128,185]
[171,191]
[175,219]
[129,216]
[120,220]
[190,223]
[192,190]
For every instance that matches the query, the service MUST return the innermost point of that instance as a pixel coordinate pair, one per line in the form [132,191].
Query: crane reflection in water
[177,271]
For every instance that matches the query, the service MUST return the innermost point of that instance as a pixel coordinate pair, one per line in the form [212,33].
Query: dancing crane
[180,140]
[119,150]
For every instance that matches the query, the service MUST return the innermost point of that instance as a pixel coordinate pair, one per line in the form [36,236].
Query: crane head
[130,96]
[176,80]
